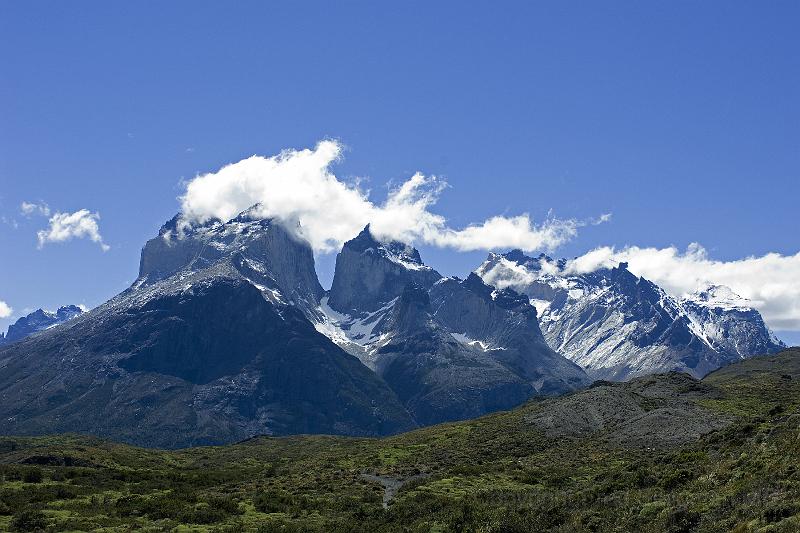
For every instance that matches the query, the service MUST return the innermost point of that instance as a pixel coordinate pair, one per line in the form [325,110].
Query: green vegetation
[497,473]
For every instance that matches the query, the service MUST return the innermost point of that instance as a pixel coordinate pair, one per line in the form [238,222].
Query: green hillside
[662,453]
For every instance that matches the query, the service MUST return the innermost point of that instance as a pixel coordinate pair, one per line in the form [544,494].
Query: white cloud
[68,226]
[32,208]
[5,310]
[602,219]
[298,186]
[771,282]
[9,221]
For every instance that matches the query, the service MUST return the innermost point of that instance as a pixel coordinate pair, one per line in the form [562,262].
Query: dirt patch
[391,486]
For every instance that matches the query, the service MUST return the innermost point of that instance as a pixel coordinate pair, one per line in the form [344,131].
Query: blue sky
[680,118]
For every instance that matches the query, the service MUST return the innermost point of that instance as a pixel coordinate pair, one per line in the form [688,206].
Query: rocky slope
[227,333]
[210,345]
[616,325]
[37,321]
[450,348]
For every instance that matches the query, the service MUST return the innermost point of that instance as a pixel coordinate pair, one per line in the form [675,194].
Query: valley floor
[664,453]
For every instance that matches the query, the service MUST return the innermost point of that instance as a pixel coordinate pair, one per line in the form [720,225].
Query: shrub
[675,478]
[29,520]
[275,501]
[202,513]
[778,511]
[681,520]
[226,504]
[32,475]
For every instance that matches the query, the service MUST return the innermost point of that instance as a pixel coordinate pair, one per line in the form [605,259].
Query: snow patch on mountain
[40,320]
[617,325]
[360,335]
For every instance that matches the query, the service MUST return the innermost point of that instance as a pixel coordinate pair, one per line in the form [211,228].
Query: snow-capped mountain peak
[39,320]
[617,325]
[264,251]
[398,252]
[718,296]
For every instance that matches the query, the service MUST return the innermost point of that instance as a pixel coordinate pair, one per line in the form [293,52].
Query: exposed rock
[450,349]
[370,273]
[37,321]
[616,325]
[210,351]
[654,411]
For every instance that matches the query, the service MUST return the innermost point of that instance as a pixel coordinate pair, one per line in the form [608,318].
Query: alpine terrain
[37,321]
[227,333]
[209,345]
[450,348]
[616,325]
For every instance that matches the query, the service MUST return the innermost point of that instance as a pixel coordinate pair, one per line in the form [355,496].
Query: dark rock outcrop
[370,273]
[504,324]
[437,377]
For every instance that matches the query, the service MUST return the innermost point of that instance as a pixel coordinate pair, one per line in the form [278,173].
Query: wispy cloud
[33,208]
[9,221]
[82,224]
[299,186]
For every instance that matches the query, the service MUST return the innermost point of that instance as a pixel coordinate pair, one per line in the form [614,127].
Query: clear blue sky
[681,118]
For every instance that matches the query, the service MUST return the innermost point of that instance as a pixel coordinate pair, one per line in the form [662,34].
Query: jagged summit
[369,273]
[401,253]
[617,325]
[37,321]
[262,250]
[718,296]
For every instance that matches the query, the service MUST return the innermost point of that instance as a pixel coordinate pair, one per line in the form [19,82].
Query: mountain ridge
[617,325]
[37,321]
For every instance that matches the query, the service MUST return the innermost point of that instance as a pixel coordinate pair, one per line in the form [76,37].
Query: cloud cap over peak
[299,186]
[769,283]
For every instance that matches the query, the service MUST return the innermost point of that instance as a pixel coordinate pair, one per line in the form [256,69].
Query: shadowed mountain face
[503,324]
[449,348]
[617,325]
[211,351]
[437,377]
[227,333]
[370,273]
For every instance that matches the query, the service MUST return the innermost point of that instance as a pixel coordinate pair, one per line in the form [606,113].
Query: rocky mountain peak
[475,284]
[516,255]
[369,273]
[399,252]
[617,325]
[720,296]
[412,309]
[257,247]
[37,321]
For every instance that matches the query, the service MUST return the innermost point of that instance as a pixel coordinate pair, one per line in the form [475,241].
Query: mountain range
[616,325]
[227,333]
[38,321]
